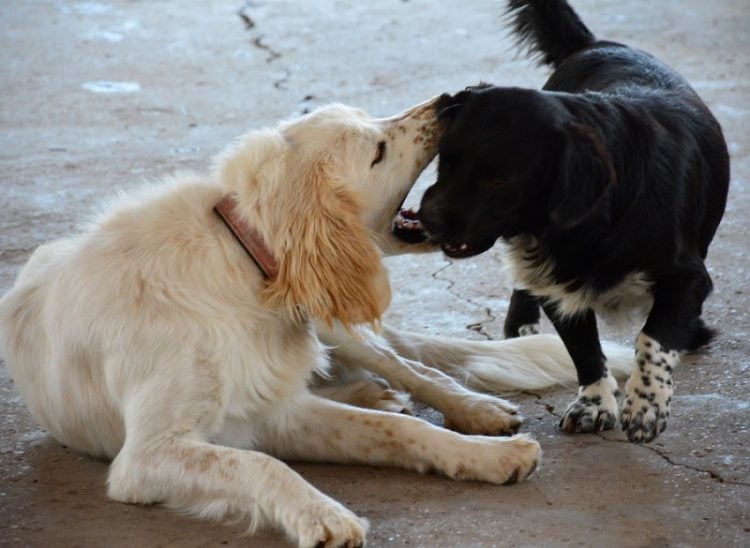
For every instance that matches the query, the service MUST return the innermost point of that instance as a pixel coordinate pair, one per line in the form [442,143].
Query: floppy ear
[585,175]
[328,264]
[448,106]
[252,157]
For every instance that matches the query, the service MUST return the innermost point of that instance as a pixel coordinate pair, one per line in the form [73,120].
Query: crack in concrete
[478,327]
[244,14]
[713,475]
[272,53]
[259,42]
[281,82]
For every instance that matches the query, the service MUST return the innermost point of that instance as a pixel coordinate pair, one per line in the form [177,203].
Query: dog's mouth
[408,228]
[462,250]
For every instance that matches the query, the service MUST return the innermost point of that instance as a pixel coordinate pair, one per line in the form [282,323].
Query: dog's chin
[463,250]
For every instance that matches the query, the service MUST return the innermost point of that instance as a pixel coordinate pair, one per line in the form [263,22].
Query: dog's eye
[380,154]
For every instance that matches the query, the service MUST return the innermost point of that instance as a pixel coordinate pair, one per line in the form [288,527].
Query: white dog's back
[153,261]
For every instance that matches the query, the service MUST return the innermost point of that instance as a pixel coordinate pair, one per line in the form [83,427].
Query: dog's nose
[434,214]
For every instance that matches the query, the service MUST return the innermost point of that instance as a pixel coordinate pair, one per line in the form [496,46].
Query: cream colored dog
[154,340]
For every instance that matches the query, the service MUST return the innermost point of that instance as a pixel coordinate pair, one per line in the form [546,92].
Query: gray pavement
[97,97]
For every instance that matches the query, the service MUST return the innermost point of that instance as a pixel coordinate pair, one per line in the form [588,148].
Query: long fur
[150,338]
[551,30]
[607,188]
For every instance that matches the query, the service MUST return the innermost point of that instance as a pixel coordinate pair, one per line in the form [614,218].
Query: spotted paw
[595,408]
[648,392]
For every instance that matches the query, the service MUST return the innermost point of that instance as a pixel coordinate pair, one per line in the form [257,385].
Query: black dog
[607,186]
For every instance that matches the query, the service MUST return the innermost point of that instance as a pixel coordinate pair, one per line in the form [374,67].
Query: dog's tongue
[409,214]
[408,228]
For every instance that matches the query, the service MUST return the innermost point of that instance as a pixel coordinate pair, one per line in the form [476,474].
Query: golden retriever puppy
[154,339]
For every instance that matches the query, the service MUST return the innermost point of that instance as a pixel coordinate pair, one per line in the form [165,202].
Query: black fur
[615,167]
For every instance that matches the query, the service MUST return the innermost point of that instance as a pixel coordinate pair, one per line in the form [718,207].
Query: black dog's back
[553,31]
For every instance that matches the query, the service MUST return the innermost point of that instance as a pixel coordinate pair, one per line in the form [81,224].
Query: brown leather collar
[248,237]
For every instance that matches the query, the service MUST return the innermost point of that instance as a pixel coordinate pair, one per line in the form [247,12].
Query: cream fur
[152,339]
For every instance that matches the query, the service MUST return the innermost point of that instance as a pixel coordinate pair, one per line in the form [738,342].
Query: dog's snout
[433,214]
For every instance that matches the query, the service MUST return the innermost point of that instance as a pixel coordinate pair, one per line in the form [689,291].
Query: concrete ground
[99,96]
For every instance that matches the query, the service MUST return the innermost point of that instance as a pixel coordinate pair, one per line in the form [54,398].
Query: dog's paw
[331,526]
[529,329]
[595,408]
[394,401]
[408,228]
[370,394]
[485,415]
[497,460]
[648,392]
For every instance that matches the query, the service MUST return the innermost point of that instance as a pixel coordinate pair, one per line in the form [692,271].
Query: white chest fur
[628,300]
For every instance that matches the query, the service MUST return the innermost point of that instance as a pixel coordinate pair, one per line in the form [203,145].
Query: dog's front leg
[595,408]
[674,326]
[464,410]
[323,430]
[217,482]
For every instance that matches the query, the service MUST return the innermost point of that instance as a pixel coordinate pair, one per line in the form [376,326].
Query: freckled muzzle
[424,139]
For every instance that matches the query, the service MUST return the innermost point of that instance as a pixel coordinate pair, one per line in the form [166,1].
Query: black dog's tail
[550,28]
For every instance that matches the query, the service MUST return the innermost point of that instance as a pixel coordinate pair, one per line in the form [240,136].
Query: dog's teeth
[463,247]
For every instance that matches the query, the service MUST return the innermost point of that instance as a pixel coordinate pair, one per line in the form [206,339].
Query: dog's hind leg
[168,458]
[216,482]
[323,430]
[523,315]
[521,363]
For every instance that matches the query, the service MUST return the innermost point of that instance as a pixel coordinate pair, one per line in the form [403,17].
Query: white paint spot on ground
[183,150]
[104,36]
[91,8]
[109,86]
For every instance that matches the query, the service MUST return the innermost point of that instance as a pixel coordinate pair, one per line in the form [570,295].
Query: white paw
[529,329]
[595,408]
[394,401]
[331,526]
[370,394]
[483,414]
[648,392]
[494,460]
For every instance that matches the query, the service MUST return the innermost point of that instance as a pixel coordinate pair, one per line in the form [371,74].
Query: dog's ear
[254,156]
[329,266]
[448,106]
[586,173]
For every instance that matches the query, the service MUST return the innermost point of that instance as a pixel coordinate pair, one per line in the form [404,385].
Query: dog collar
[248,237]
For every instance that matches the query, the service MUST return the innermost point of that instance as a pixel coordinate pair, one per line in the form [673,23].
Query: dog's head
[511,161]
[318,189]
